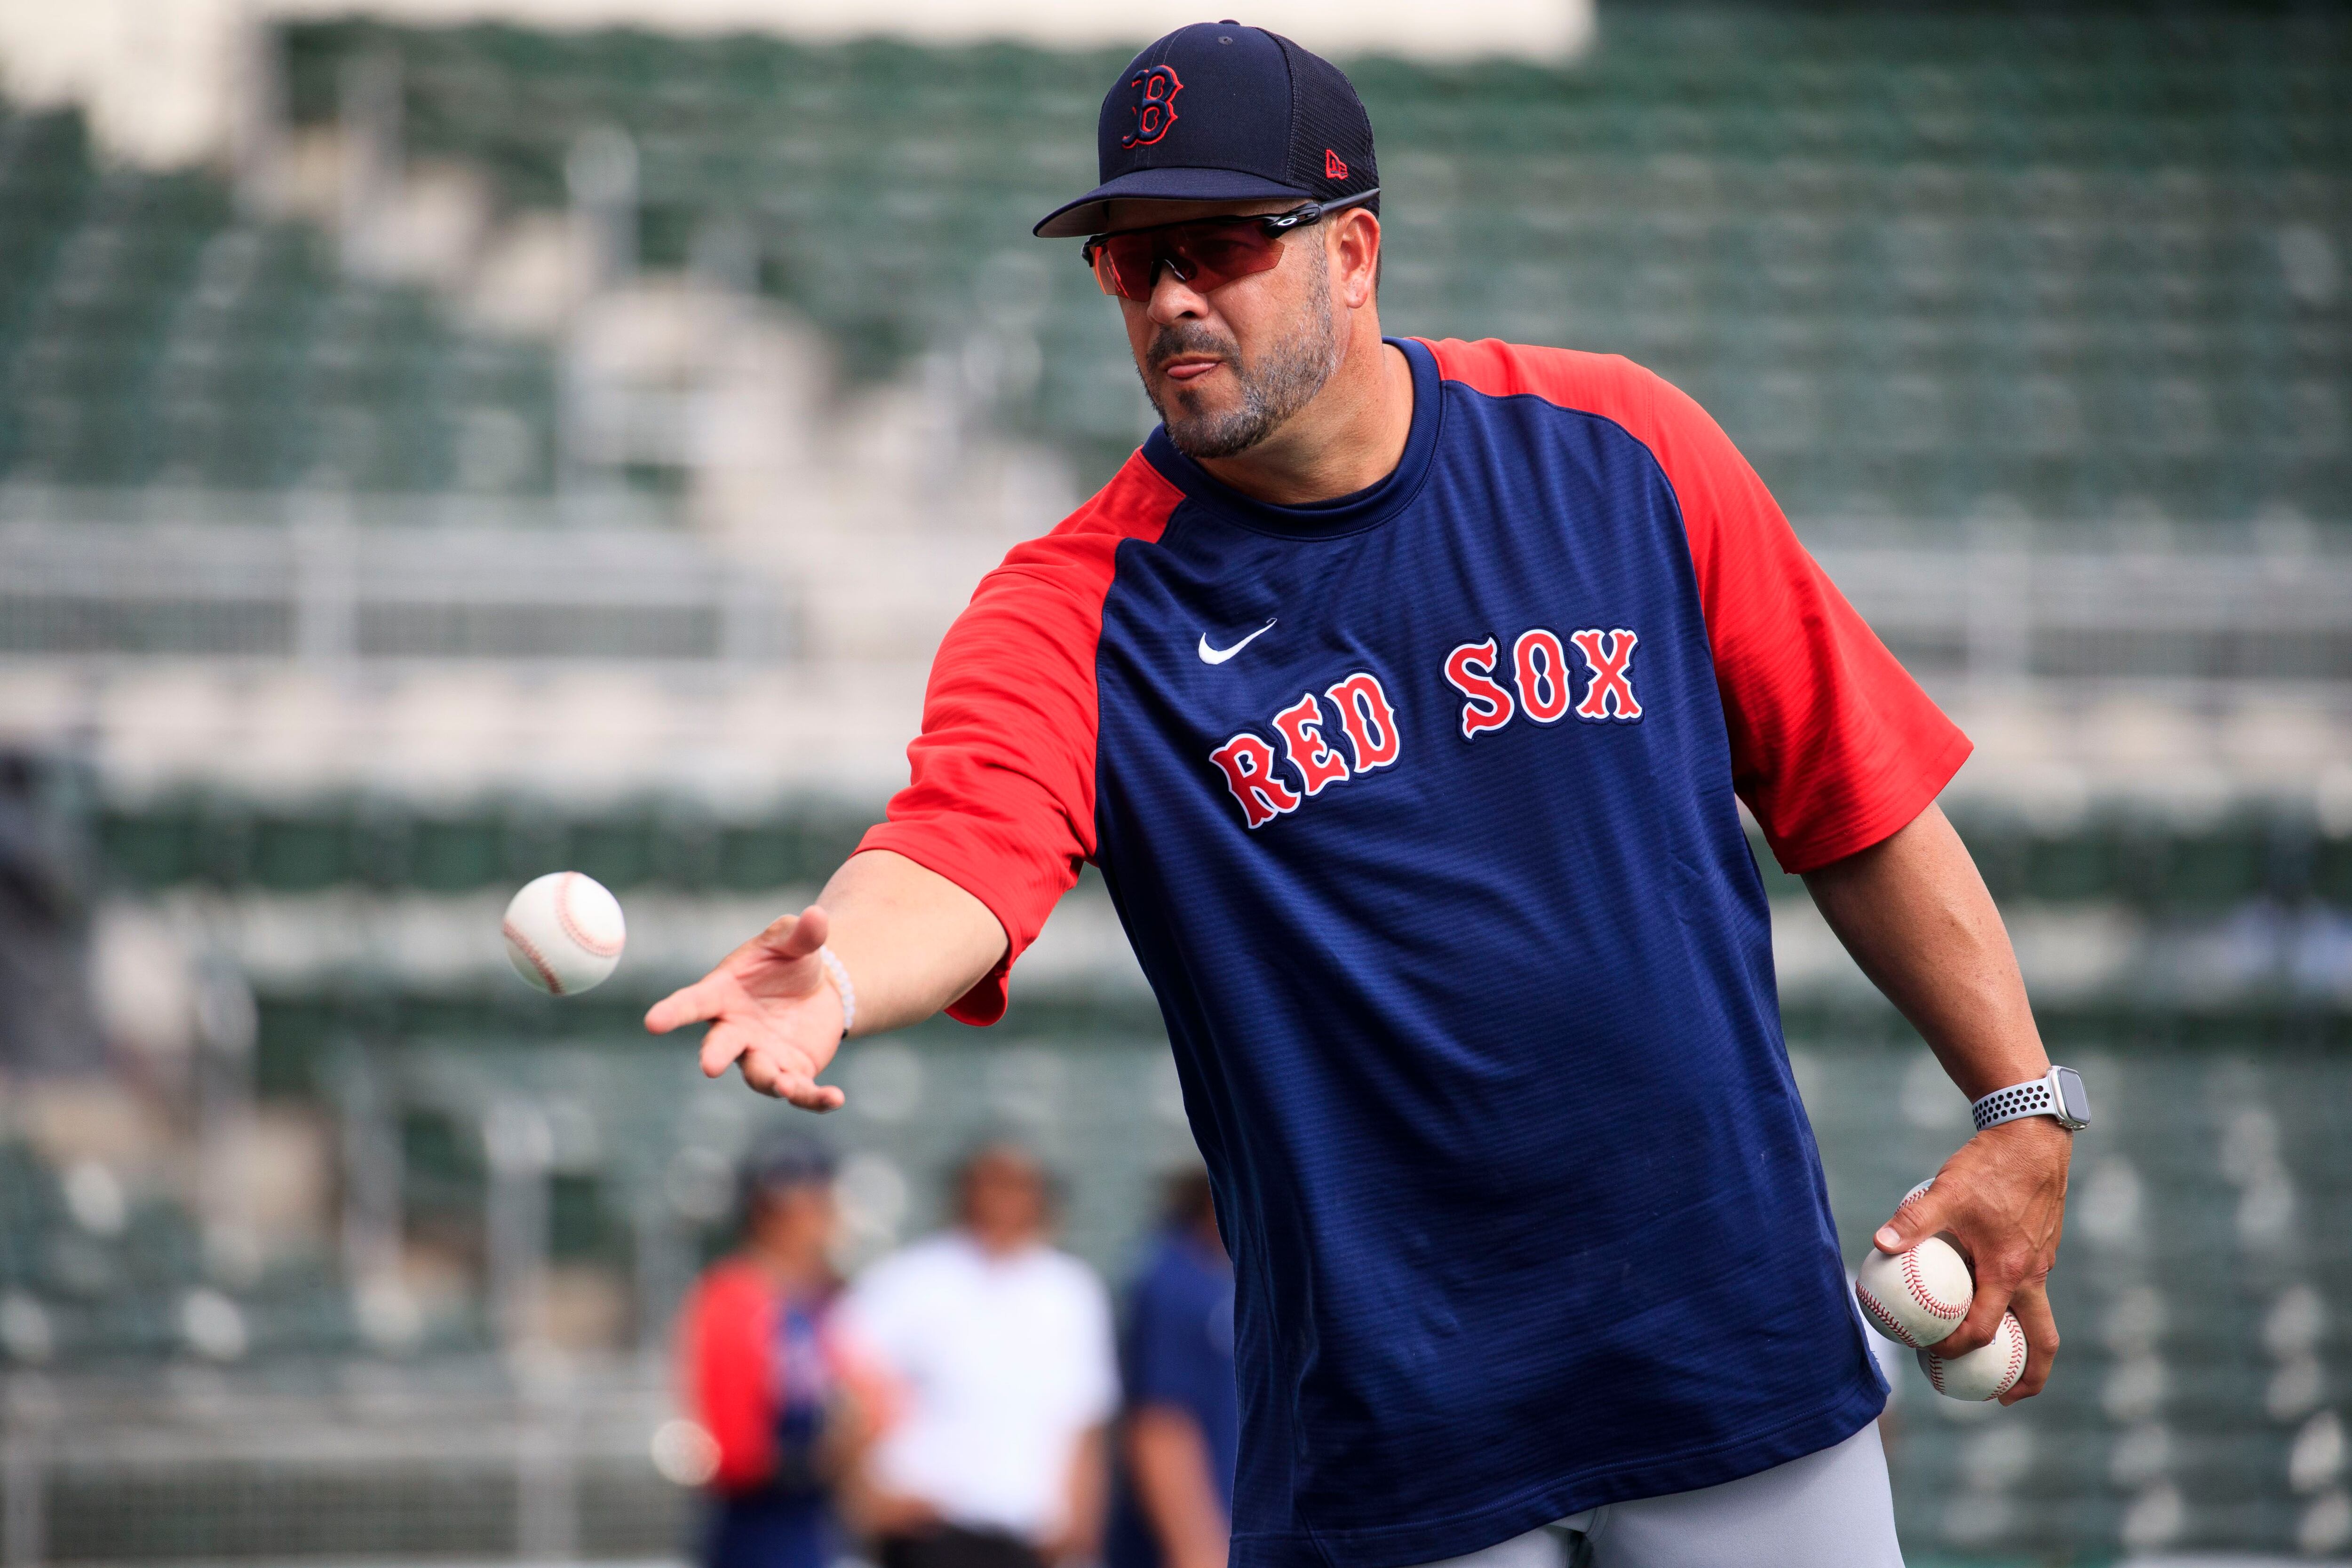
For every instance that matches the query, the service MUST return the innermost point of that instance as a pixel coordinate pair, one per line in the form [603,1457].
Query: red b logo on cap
[1155,106]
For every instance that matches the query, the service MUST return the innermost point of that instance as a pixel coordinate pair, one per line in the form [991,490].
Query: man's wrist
[2058,1094]
[2031,1137]
[837,973]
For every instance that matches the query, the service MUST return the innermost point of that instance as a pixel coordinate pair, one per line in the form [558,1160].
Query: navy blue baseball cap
[782,1159]
[1220,113]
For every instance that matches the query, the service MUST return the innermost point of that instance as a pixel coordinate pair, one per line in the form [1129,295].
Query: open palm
[770,1009]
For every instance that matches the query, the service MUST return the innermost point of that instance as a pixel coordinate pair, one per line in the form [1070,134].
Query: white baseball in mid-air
[1916,1298]
[564,933]
[1988,1371]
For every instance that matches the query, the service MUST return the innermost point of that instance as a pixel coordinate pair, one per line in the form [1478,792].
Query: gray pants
[1829,1509]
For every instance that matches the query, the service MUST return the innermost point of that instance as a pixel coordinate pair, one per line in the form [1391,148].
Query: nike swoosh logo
[1219,655]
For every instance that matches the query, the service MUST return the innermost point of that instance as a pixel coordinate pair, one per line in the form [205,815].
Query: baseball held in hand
[1988,1371]
[564,933]
[1916,1298]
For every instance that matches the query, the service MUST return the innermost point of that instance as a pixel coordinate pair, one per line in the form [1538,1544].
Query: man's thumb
[797,936]
[1914,1219]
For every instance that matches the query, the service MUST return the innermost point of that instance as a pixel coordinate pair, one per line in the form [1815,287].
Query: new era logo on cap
[1259,119]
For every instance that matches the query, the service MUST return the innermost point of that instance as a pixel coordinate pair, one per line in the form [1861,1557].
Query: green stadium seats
[2274,858]
[453,854]
[2059,867]
[303,853]
[1888,199]
[149,335]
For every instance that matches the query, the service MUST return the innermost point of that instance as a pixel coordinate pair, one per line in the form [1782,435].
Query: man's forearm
[1170,1462]
[1088,1494]
[1917,917]
[911,941]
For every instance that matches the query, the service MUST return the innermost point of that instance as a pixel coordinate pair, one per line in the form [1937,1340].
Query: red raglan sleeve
[1833,745]
[725,1371]
[1001,797]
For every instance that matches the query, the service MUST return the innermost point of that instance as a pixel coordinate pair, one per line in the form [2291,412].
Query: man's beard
[1275,385]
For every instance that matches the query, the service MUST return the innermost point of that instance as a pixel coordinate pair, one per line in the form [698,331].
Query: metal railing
[319,577]
[321,586]
[1992,609]
[476,1459]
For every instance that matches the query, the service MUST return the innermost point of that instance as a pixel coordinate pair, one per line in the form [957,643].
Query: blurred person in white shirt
[1001,1349]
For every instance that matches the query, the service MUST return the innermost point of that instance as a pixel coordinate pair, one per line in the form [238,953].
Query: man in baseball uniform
[1404,693]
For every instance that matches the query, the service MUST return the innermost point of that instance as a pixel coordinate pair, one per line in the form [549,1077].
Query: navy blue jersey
[1176,1352]
[1420,810]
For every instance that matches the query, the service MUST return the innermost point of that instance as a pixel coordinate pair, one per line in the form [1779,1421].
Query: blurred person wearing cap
[1406,694]
[998,1350]
[764,1373]
[1172,1497]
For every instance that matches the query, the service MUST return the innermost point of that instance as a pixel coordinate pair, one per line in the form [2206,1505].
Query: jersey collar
[1366,508]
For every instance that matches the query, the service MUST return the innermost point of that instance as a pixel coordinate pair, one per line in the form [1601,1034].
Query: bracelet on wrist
[838,972]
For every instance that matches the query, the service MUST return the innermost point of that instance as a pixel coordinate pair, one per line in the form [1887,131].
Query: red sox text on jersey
[1537,671]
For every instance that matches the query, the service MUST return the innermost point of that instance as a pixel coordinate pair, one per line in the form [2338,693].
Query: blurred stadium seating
[150,334]
[332,609]
[2082,266]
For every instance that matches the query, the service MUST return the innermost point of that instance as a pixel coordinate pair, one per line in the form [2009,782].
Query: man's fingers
[770,1078]
[810,1095]
[739,1033]
[693,1003]
[1993,1295]
[726,1041]
[761,1074]
[2031,1305]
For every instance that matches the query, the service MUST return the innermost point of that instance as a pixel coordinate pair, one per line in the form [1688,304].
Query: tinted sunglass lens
[1207,257]
[1124,264]
[1219,253]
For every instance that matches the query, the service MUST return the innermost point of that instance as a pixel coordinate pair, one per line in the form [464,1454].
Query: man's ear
[1356,257]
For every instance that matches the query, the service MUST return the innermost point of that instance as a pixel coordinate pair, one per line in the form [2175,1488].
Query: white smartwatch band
[2058,1094]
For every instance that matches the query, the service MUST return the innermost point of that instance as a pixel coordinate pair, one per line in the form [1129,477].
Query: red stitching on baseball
[1879,1315]
[1917,1288]
[573,928]
[1933,1364]
[531,952]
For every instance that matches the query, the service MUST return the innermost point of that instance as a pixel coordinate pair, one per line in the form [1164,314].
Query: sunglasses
[1205,254]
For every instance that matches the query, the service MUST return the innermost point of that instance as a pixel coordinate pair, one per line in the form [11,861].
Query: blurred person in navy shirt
[1173,1505]
[766,1375]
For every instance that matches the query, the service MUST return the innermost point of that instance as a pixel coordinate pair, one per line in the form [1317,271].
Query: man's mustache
[1188,339]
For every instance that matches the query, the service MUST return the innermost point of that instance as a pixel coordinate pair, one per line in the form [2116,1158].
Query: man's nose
[1173,299]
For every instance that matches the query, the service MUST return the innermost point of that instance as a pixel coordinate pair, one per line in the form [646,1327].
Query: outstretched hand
[771,1010]
[2002,1198]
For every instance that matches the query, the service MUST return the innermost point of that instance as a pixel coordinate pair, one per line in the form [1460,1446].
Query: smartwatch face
[2074,1100]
